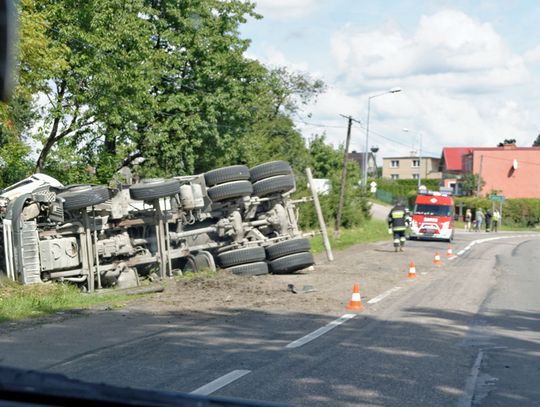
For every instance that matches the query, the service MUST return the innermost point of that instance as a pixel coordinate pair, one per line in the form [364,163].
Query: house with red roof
[507,170]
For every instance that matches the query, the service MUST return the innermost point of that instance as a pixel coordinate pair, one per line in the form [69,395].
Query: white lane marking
[383,295]
[470,384]
[321,331]
[220,382]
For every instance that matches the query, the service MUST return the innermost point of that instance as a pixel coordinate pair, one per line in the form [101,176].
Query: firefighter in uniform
[398,221]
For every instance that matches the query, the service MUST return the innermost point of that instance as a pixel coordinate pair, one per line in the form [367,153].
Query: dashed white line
[383,295]
[220,382]
[321,331]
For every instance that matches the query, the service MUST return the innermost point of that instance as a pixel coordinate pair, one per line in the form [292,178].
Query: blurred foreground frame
[8,47]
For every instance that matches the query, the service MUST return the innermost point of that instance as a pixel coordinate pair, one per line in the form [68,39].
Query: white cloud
[285,9]
[458,75]
[462,85]
[533,55]
[273,57]
[449,50]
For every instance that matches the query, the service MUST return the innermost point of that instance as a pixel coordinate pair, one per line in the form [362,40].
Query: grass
[373,231]
[202,274]
[22,302]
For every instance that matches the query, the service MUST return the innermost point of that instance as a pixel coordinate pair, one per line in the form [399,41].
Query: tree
[38,57]
[158,79]
[325,160]
[470,184]
[96,99]
[507,141]
[537,141]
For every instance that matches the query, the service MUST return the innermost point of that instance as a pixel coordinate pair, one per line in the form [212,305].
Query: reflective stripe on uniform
[398,214]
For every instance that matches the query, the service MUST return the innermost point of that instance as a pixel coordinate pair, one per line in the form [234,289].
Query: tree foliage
[536,142]
[471,182]
[107,83]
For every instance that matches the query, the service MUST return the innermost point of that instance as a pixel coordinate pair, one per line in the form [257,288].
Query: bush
[403,189]
[356,207]
[515,212]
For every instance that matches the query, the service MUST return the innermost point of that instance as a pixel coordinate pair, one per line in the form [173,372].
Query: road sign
[496,197]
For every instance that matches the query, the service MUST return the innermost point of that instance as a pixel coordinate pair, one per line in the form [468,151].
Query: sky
[469,70]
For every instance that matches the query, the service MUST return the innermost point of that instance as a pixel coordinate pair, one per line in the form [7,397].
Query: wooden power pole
[343,176]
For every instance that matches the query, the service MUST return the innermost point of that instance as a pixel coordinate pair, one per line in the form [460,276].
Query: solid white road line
[321,331]
[220,382]
[489,239]
[383,295]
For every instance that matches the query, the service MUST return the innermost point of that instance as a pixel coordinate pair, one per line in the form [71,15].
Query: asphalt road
[467,334]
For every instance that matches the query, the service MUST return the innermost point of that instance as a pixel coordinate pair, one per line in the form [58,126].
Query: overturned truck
[242,220]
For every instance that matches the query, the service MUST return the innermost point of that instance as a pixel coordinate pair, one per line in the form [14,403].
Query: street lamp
[364,178]
[419,156]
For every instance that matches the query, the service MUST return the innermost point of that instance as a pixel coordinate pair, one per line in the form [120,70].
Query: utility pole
[479,181]
[343,176]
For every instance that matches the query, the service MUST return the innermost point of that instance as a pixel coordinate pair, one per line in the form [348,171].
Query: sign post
[497,198]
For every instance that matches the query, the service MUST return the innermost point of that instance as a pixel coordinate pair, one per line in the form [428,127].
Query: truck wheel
[241,256]
[250,269]
[291,263]
[229,190]
[198,261]
[278,184]
[155,189]
[84,196]
[270,169]
[226,174]
[287,247]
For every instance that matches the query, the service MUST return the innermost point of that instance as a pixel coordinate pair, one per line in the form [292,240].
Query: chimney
[509,146]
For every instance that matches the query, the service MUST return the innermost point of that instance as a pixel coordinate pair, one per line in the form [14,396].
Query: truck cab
[433,217]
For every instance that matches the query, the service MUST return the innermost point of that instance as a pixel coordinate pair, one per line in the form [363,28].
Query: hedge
[517,211]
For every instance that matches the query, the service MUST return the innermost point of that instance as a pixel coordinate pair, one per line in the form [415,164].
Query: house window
[416,176]
[394,176]
[394,164]
[416,163]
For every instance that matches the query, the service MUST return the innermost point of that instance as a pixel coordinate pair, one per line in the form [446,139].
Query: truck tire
[241,256]
[278,184]
[84,196]
[270,169]
[250,269]
[287,247]
[150,190]
[229,190]
[291,263]
[226,174]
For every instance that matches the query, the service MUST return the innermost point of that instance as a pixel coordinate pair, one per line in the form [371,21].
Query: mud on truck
[242,220]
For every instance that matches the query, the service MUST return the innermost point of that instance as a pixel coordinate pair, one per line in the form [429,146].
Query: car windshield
[433,210]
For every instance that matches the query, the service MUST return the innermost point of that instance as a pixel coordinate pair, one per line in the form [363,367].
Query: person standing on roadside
[496,219]
[479,219]
[488,220]
[398,220]
[468,220]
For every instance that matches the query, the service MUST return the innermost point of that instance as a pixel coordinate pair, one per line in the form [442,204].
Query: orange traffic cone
[449,252]
[412,270]
[437,259]
[356,301]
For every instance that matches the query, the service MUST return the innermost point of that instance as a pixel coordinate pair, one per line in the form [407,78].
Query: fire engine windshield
[433,210]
